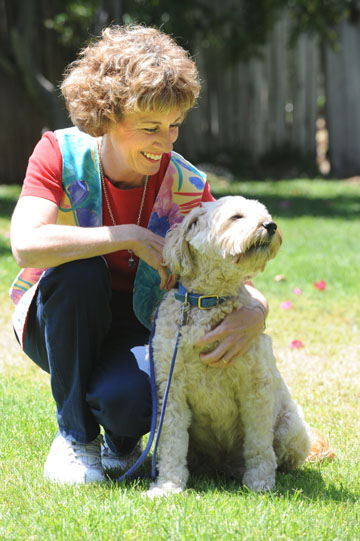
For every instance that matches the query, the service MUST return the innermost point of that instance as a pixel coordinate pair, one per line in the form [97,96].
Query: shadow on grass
[8,198]
[6,208]
[298,485]
[5,249]
[347,206]
[294,206]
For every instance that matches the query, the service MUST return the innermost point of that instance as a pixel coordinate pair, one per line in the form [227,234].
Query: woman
[96,203]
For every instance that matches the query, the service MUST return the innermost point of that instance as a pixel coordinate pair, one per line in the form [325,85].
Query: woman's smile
[134,147]
[152,157]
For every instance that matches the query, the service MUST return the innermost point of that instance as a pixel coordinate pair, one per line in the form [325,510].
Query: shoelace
[90,451]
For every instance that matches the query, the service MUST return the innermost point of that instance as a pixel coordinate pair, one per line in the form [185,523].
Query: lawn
[320,226]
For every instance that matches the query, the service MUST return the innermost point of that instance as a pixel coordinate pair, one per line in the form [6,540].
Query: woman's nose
[166,141]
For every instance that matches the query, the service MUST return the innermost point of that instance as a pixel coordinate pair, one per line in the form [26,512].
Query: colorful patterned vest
[181,190]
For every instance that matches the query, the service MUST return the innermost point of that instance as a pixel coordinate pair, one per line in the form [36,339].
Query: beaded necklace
[131,261]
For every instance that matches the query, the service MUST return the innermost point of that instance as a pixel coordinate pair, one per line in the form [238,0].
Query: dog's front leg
[173,445]
[257,418]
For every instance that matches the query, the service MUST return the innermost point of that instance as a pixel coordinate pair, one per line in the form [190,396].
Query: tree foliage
[70,20]
[320,16]
[238,27]
[39,37]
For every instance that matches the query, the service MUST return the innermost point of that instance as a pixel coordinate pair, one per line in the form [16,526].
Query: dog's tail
[320,448]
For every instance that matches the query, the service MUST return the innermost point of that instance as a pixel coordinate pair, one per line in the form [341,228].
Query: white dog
[240,420]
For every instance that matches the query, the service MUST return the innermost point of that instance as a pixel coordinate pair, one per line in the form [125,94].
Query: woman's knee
[72,309]
[88,279]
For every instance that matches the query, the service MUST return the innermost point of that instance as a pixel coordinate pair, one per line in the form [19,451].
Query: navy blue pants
[82,333]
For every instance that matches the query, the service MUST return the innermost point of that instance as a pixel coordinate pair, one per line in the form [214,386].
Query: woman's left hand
[234,336]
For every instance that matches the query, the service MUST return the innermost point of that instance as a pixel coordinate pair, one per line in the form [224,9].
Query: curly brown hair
[128,69]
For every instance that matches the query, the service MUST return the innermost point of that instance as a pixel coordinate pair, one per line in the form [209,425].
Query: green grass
[320,226]
[8,197]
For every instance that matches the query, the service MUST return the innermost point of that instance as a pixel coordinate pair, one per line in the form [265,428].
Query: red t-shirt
[43,179]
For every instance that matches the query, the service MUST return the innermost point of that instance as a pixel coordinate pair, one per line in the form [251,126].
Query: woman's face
[138,142]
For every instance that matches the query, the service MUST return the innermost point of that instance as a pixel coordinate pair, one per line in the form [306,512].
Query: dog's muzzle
[270,227]
[265,238]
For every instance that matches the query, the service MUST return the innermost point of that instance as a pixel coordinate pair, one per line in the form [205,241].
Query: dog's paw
[163,489]
[258,483]
[156,492]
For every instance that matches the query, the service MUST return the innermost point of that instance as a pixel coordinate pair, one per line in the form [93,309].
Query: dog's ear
[176,254]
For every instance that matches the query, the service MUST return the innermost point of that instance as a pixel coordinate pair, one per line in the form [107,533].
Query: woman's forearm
[51,245]
[37,241]
[259,297]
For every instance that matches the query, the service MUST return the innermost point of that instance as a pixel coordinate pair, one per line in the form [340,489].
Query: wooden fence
[254,108]
[275,102]
[342,80]
[251,109]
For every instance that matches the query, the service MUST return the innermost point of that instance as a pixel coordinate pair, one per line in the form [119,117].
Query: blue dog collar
[203,302]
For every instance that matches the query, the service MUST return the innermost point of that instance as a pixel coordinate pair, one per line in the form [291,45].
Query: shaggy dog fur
[241,419]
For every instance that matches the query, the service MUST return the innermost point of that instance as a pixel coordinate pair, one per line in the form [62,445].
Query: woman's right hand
[148,246]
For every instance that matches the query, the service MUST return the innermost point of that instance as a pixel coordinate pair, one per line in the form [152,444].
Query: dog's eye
[236,217]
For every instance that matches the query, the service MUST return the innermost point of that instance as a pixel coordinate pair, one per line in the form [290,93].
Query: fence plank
[243,106]
[342,69]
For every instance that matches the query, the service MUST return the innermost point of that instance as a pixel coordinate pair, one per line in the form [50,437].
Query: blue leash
[141,459]
[163,407]
[203,302]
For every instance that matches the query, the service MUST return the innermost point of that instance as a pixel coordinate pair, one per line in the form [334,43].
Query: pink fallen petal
[320,285]
[285,204]
[296,344]
[286,305]
[297,291]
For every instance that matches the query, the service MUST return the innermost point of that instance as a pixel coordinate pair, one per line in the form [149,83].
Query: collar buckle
[204,298]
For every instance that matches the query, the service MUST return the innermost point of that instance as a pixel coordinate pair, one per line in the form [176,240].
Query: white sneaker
[72,462]
[113,463]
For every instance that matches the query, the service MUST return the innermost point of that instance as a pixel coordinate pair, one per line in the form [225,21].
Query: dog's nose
[270,227]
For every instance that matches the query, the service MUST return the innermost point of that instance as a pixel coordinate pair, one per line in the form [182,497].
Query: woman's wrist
[259,301]
[260,307]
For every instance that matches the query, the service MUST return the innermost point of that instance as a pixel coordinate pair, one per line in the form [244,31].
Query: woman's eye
[156,129]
